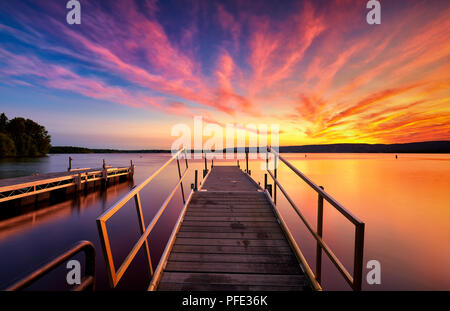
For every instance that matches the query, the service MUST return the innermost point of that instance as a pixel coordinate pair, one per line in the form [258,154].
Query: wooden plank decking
[230,239]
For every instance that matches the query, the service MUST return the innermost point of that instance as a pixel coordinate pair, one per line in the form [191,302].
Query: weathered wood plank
[232,235]
[217,249]
[230,218]
[228,178]
[231,278]
[217,207]
[214,229]
[230,242]
[236,258]
[166,286]
[216,267]
[228,213]
[231,224]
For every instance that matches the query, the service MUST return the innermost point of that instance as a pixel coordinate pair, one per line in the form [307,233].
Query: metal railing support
[246,161]
[114,275]
[179,176]
[319,233]
[137,201]
[195,180]
[88,281]
[354,281]
[275,184]
[358,257]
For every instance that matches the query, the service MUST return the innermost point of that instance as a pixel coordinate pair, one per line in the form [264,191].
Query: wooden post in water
[78,182]
[131,169]
[70,164]
[104,175]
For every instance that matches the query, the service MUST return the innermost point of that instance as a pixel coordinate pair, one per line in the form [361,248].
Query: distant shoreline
[439,147]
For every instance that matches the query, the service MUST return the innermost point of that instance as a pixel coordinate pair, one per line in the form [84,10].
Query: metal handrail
[88,281]
[113,275]
[163,260]
[354,281]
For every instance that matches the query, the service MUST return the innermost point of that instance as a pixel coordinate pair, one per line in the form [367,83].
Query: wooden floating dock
[231,239]
[37,187]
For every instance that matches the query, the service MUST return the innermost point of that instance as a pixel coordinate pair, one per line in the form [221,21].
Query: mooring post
[238,164]
[78,182]
[104,175]
[319,233]
[70,164]
[131,169]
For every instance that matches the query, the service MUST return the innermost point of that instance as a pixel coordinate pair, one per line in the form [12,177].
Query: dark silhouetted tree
[3,122]
[29,138]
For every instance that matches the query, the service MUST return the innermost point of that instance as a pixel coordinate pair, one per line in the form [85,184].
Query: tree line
[20,137]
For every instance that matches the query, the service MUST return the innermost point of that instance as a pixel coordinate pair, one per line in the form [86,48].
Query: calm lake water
[404,202]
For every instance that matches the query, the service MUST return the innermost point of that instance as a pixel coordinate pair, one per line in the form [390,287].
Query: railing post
[275,174]
[319,233]
[179,176]
[246,161]
[205,170]
[195,180]
[90,265]
[70,164]
[186,159]
[359,254]
[137,200]
[265,181]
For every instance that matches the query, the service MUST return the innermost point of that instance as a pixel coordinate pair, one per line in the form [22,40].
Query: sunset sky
[134,69]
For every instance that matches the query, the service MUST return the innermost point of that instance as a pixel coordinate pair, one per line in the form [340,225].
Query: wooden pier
[38,187]
[230,239]
[229,235]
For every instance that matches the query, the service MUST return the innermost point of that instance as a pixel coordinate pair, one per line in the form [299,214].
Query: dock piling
[70,164]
